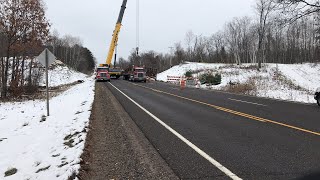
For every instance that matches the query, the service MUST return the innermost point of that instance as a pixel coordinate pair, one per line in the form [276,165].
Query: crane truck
[113,71]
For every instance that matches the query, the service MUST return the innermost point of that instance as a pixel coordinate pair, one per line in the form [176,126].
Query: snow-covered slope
[305,75]
[42,147]
[60,74]
[295,82]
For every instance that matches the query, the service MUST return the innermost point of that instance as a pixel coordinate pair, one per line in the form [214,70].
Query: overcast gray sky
[162,22]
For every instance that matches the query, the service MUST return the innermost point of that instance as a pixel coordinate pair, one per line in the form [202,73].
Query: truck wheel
[318,101]
[145,81]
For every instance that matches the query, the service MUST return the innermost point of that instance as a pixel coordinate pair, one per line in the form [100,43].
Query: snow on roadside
[305,75]
[61,74]
[45,148]
[296,82]
[181,69]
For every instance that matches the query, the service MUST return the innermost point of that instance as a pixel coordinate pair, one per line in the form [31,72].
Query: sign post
[46,58]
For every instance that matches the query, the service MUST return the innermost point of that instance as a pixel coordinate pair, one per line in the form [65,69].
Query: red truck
[102,74]
[135,74]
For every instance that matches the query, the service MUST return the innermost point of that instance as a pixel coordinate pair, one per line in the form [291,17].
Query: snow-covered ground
[41,147]
[61,74]
[293,82]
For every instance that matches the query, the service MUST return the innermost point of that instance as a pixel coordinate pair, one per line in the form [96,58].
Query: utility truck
[113,71]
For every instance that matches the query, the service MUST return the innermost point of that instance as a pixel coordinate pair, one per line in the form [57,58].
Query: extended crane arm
[116,32]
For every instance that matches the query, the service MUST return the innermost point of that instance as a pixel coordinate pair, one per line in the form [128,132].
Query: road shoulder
[115,147]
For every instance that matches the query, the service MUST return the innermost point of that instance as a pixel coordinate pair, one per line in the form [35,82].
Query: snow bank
[61,74]
[295,82]
[304,75]
[45,148]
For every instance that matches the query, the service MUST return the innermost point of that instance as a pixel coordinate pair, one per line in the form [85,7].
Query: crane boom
[116,32]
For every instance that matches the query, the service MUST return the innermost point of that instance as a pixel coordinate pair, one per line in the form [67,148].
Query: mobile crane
[113,71]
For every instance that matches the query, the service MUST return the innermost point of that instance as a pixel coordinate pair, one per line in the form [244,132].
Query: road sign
[46,58]
[42,57]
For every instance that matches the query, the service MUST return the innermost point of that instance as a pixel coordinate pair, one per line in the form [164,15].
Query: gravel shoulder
[115,147]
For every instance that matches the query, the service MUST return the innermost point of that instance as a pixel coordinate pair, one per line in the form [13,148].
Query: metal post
[115,56]
[47,82]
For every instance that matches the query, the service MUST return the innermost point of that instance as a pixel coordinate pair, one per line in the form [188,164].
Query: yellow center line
[235,112]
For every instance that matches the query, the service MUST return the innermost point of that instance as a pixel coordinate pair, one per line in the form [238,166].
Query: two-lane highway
[210,135]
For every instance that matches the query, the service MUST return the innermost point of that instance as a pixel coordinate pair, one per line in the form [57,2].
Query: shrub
[188,73]
[216,79]
[210,78]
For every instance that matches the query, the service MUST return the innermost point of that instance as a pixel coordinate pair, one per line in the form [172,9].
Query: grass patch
[79,112]
[37,163]
[71,136]
[69,143]
[72,176]
[284,80]
[247,88]
[43,118]
[55,155]
[79,142]
[83,103]
[10,172]
[43,169]
[63,164]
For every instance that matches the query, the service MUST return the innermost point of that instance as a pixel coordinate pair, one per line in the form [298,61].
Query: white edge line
[190,144]
[247,102]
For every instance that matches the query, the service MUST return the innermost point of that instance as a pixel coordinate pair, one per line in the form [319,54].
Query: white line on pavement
[247,102]
[190,144]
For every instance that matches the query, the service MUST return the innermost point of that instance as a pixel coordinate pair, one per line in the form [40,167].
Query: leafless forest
[24,33]
[282,31]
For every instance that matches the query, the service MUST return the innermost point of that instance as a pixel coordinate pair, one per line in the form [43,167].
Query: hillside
[293,82]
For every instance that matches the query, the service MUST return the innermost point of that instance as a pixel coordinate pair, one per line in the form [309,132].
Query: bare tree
[22,22]
[296,9]
[264,9]
[190,39]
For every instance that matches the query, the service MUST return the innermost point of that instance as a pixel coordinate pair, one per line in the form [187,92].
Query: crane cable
[137,26]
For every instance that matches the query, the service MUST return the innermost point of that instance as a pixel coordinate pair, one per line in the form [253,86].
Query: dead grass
[71,136]
[69,143]
[39,93]
[62,164]
[78,112]
[284,80]
[37,163]
[43,169]
[72,176]
[10,172]
[55,155]
[247,88]
[43,118]
[2,139]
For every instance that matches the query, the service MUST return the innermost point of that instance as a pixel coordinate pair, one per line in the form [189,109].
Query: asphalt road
[251,138]
[115,147]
